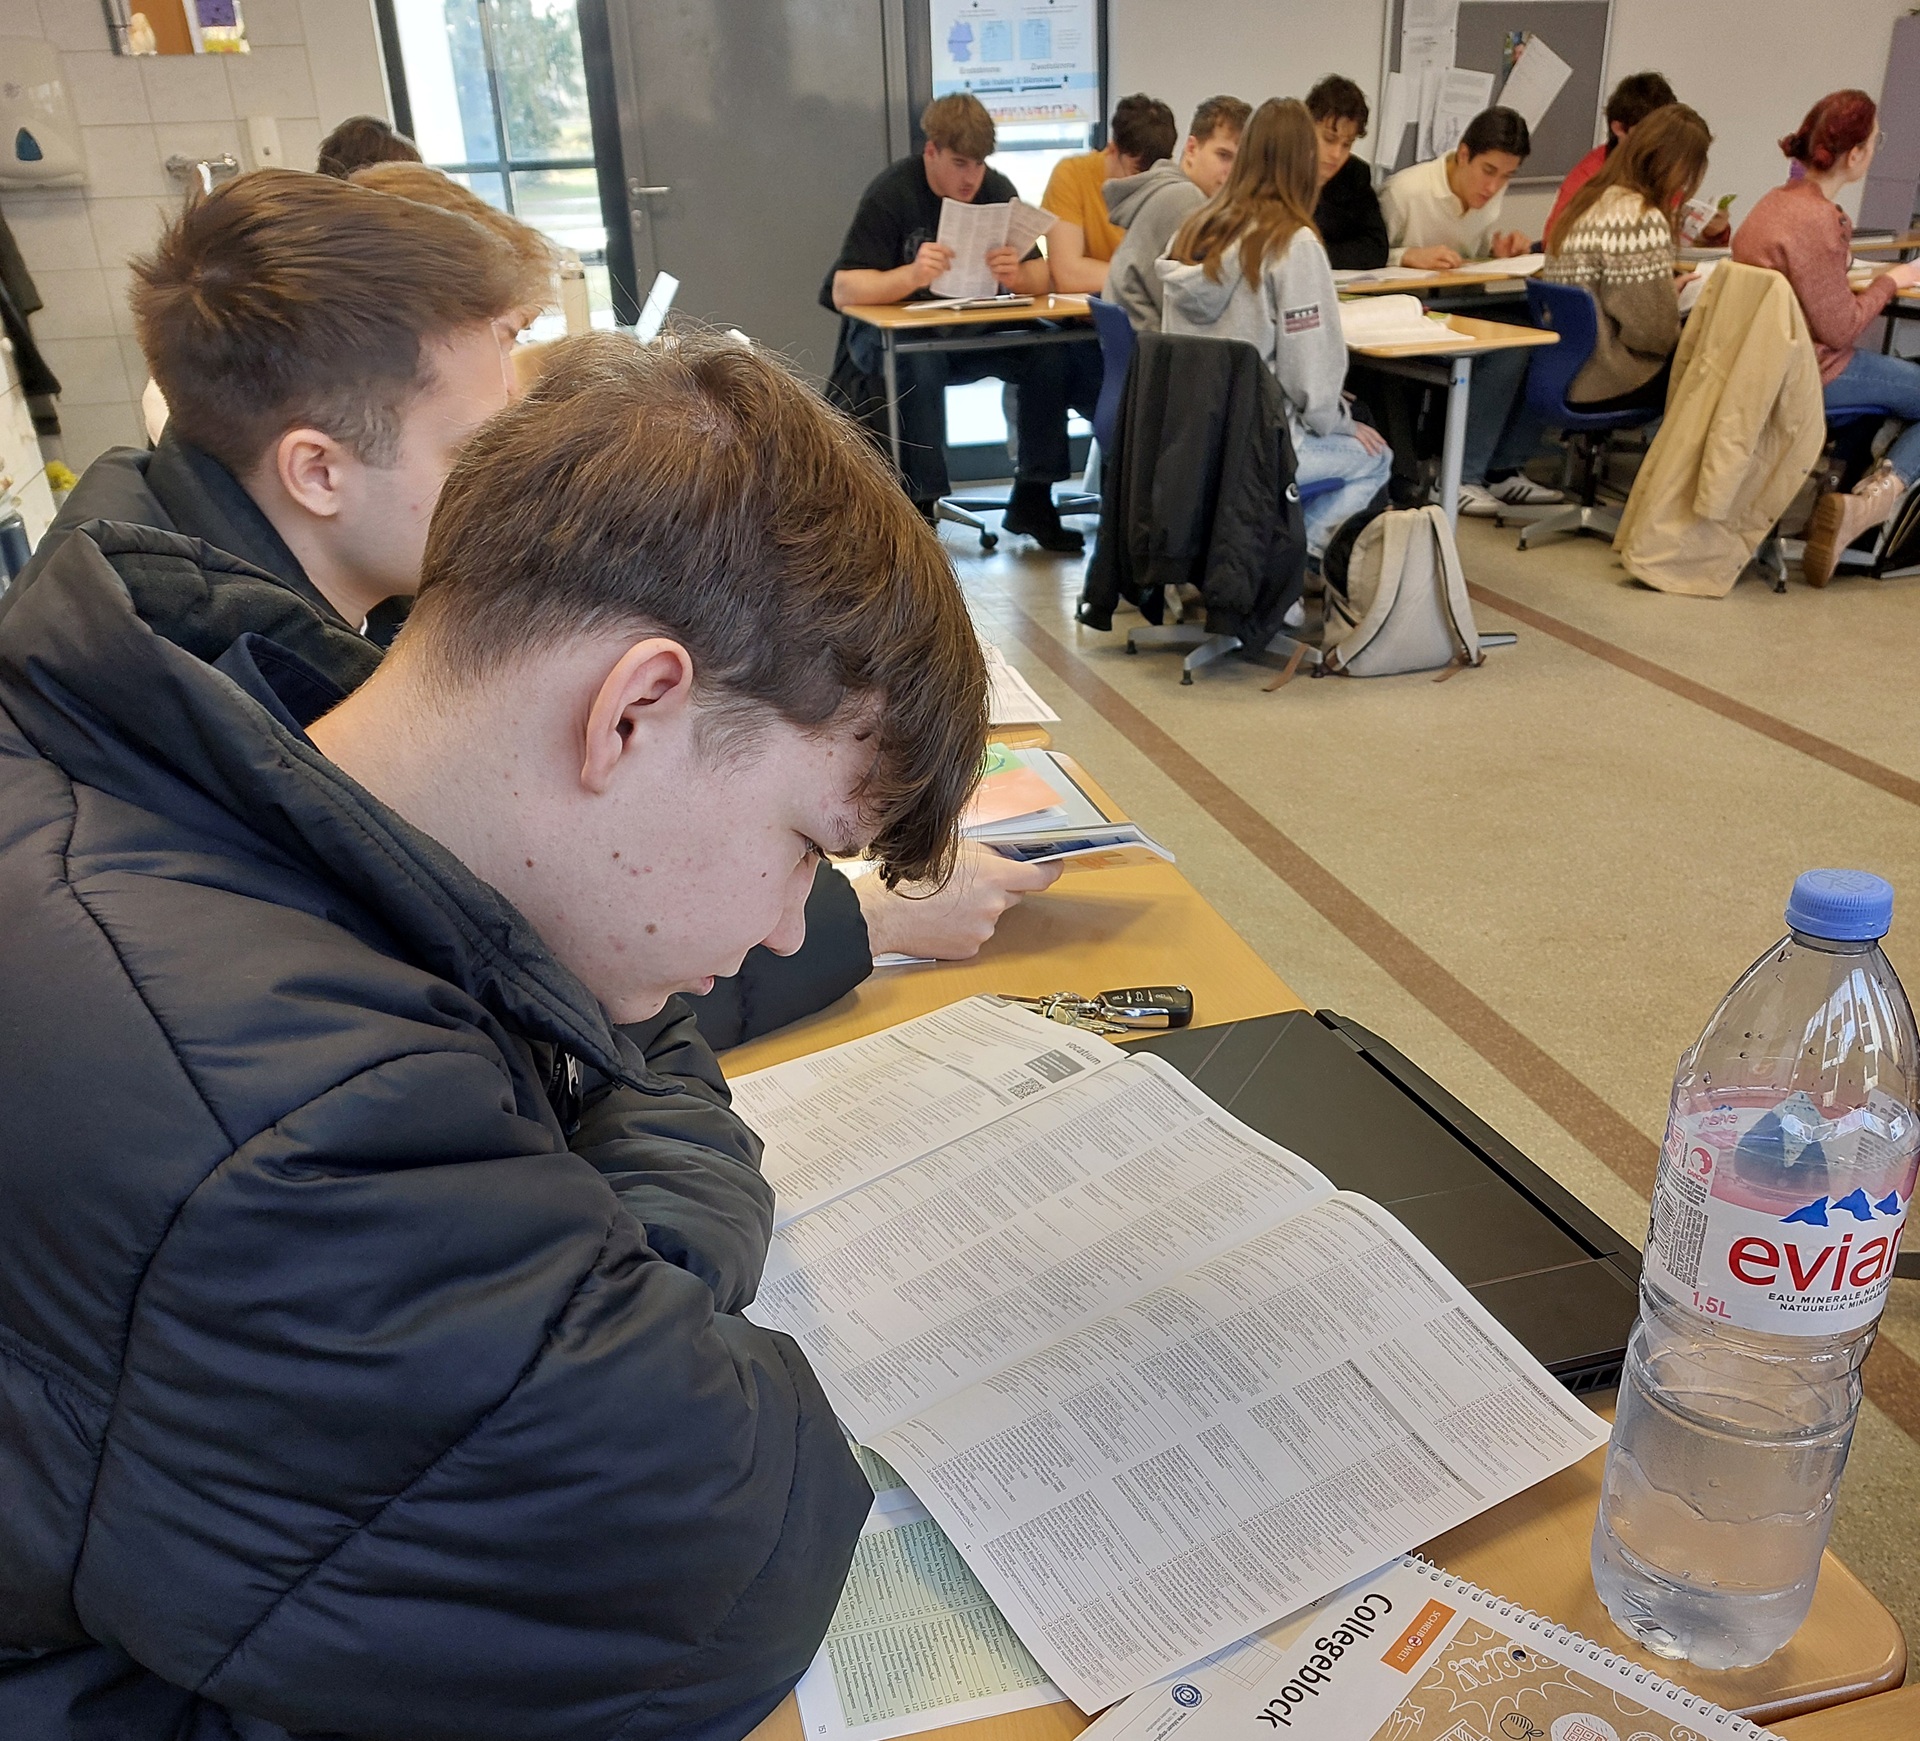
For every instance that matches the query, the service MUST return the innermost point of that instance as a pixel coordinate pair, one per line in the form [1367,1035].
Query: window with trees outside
[495,94]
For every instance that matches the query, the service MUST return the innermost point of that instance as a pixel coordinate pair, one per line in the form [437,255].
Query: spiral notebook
[1412,1653]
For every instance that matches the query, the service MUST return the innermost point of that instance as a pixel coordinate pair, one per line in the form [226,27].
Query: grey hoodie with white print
[1291,317]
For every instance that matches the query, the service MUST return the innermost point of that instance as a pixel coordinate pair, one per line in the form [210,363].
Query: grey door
[749,129]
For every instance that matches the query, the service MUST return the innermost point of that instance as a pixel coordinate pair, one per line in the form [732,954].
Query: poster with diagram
[1027,60]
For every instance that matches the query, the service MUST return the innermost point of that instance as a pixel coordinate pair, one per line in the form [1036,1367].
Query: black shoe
[1030,511]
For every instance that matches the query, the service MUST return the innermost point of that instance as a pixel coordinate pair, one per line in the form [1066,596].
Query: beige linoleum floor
[1538,879]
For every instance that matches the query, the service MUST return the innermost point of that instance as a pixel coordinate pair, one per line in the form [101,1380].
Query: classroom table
[1434,284]
[1446,359]
[1092,931]
[947,330]
[1885,1717]
[1148,925]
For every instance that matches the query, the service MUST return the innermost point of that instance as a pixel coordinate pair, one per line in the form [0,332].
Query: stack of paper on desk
[1072,831]
[1156,1379]
[974,231]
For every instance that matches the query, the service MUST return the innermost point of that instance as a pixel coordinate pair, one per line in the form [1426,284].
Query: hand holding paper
[975,233]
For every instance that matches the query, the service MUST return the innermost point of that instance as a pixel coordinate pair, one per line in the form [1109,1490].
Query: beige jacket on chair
[1744,424]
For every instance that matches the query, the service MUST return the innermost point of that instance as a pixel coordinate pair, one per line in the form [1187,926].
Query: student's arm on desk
[856,286]
[1067,263]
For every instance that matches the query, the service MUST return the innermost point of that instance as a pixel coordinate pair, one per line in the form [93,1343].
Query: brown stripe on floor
[1837,756]
[1891,1376]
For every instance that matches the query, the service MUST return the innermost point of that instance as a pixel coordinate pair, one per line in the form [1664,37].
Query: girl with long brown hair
[1615,239]
[1249,265]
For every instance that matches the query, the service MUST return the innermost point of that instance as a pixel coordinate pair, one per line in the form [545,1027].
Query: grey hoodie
[1291,317]
[1150,207]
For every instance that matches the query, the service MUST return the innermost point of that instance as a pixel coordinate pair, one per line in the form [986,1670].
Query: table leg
[1453,448]
[891,369]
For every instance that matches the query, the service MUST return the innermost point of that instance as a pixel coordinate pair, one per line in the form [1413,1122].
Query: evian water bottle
[1784,1184]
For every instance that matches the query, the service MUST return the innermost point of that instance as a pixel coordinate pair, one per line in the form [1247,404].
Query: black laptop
[1548,1268]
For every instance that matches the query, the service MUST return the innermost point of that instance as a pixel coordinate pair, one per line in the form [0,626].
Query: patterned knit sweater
[1622,250]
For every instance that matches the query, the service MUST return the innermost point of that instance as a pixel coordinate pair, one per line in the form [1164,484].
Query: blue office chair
[1111,322]
[1569,310]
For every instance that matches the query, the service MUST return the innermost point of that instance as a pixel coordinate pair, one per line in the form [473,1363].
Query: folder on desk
[1071,831]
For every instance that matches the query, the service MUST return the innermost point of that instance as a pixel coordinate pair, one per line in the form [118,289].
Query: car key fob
[1147,1006]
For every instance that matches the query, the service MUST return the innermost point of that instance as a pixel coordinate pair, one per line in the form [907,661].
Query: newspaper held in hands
[974,231]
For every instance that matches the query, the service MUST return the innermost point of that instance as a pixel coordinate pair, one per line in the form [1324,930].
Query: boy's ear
[649,685]
[309,466]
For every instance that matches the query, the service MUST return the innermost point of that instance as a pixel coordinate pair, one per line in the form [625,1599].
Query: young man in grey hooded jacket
[1283,303]
[1152,205]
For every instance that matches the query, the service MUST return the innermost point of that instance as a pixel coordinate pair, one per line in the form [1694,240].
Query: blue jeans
[1892,383]
[1363,475]
[1502,431]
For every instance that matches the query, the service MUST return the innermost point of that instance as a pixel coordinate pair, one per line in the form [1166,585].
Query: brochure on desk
[1156,1379]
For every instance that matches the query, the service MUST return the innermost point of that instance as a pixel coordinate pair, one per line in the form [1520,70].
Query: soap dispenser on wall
[39,138]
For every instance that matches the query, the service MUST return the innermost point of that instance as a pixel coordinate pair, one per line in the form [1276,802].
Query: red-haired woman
[1798,231]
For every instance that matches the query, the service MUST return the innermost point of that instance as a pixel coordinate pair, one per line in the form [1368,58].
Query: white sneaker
[1296,615]
[1520,491]
[1479,501]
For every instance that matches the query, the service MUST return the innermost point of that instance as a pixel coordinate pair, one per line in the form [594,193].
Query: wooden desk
[1889,1717]
[1447,358]
[947,330]
[1091,931]
[1532,1549]
[1433,284]
[1901,245]
[1147,925]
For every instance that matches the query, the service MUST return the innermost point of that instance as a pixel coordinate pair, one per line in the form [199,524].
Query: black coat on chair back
[1200,491]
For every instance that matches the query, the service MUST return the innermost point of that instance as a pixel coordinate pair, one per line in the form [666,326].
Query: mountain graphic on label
[1774,1144]
[1855,1203]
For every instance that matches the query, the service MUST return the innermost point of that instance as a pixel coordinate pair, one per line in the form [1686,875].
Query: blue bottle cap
[1843,906]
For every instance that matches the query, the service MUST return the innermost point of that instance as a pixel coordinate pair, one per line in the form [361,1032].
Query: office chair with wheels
[1845,456]
[1569,310]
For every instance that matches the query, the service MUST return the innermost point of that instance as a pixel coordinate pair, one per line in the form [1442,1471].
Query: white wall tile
[199,140]
[90,370]
[300,142]
[273,23]
[123,162]
[117,284]
[51,228]
[87,431]
[106,88]
[125,227]
[133,364]
[74,24]
[187,87]
[343,55]
[271,81]
[76,304]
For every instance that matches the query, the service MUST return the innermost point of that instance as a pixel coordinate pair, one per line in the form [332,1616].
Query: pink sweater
[1798,232]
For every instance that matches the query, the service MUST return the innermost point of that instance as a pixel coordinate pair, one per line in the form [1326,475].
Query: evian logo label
[1732,1238]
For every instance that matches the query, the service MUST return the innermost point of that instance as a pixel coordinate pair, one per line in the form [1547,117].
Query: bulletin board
[1576,30]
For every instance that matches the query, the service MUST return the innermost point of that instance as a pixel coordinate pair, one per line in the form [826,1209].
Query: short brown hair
[959,123]
[1142,129]
[1218,112]
[1634,98]
[284,298]
[433,187]
[360,140]
[1339,99]
[697,488]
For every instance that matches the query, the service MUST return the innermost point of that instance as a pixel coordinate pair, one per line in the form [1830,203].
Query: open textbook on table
[1157,1379]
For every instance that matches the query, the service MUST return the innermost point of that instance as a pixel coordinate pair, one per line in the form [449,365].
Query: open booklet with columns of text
[1157,1379]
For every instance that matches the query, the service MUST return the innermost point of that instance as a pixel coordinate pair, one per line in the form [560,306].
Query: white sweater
[1423,211]
[1291,317]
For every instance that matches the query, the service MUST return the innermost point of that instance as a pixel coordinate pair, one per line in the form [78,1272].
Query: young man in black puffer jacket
[371,1351]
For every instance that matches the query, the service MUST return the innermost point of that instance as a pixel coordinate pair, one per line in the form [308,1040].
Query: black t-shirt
[1349,220]
[896,214]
